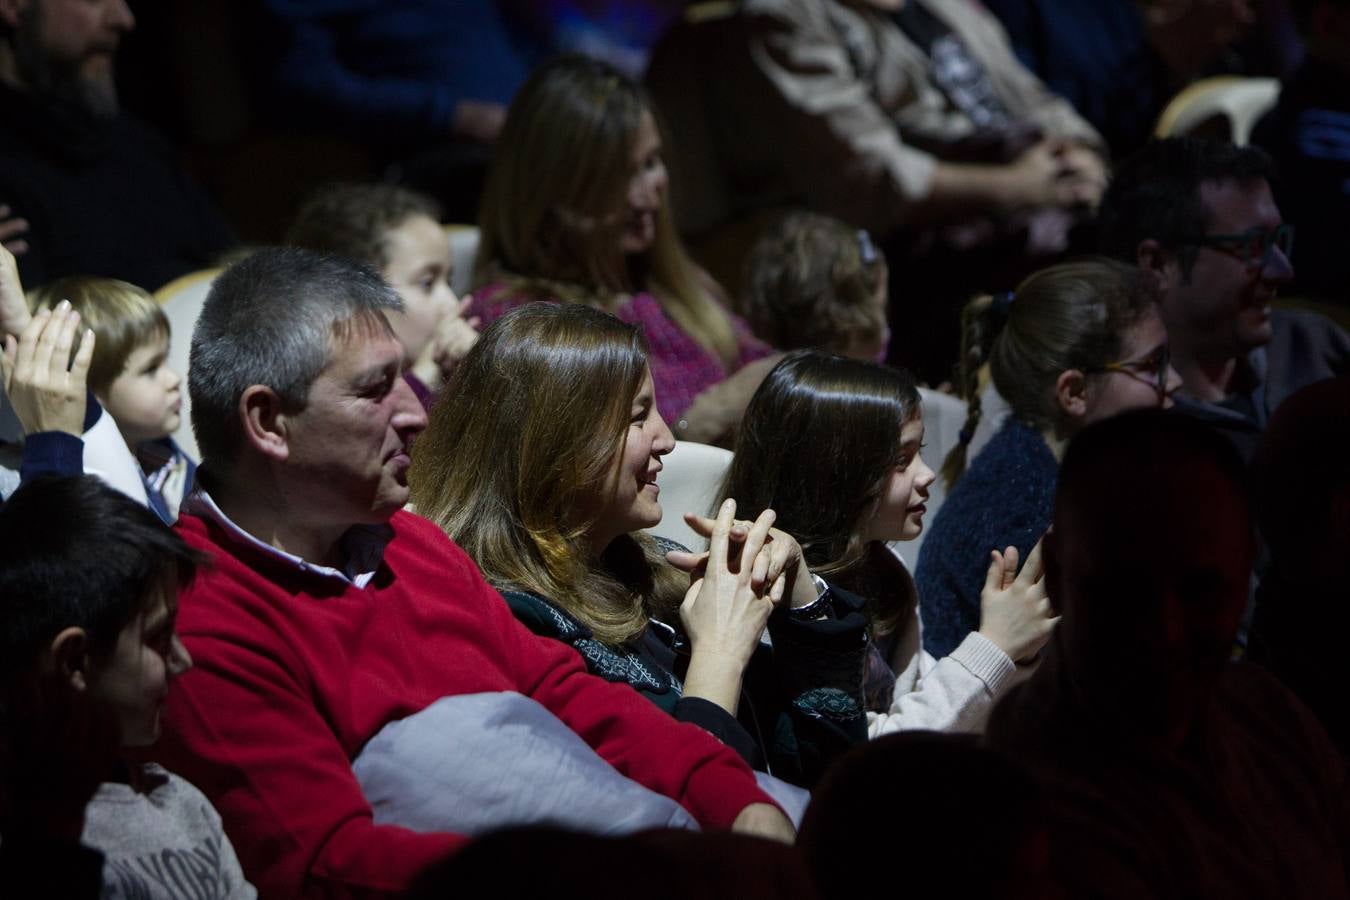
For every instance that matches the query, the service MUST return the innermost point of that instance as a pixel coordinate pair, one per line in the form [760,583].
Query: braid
[981,321]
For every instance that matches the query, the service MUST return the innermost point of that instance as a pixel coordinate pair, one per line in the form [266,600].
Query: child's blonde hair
[122,316]
[813,281]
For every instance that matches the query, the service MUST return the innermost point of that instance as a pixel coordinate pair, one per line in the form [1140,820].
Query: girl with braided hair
[1076,343]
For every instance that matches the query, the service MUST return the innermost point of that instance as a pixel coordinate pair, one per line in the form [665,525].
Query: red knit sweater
[295,671]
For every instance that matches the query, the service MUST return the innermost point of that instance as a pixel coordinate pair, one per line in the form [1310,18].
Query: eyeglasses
[1156,365]
[1252,247]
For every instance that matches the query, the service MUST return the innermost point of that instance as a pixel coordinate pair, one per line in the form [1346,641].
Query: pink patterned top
[681,368]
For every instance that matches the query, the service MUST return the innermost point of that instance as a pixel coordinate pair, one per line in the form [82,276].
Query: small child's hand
[455,337]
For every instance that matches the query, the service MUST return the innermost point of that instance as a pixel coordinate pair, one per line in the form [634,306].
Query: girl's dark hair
[819,440]
[77,553]
[1068,316]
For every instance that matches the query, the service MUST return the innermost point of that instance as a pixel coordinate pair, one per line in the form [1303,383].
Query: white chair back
[689,480]
[943,417]
[182,300]
[1231,100]
[463,251]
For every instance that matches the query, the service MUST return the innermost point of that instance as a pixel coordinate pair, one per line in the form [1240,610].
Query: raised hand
[1015,613]
[454,338]
[45,387]
[12,230]
[13,307]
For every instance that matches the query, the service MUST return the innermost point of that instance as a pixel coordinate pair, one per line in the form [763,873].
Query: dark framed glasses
[1252,247]
[1153,367]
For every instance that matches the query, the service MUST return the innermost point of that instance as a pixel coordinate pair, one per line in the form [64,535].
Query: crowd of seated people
[411,624]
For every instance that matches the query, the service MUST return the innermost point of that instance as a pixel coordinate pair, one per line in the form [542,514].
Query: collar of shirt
[362,545]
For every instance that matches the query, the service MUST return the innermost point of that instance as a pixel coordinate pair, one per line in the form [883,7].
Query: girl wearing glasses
[1077,342]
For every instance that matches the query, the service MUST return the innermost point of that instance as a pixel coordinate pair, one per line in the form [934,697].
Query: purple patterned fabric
[681,368]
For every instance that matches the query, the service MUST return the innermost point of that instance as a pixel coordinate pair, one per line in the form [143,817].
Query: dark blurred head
[1199,216]
[528,863]
[935,813]
[1301,483]
[64,49]
[1149,562]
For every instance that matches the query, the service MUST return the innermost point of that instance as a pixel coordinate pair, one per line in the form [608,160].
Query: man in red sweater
[330,612]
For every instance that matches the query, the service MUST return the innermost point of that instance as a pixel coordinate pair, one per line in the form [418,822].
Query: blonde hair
[122,316]
[559,171]
[515,461]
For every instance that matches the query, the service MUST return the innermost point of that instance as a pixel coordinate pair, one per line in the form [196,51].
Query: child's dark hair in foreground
[89,583]
[75,553]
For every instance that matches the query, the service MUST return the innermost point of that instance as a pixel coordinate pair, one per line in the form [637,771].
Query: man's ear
[1153,258]
[70,657]
[266,425]
[1071,393]
[11,11]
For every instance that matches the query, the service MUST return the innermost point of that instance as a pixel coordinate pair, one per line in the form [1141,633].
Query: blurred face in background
[66,48]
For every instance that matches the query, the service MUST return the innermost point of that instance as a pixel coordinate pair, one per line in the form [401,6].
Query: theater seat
[463,249]
[689,480]
[943,417]
[1225,106]
[181,300]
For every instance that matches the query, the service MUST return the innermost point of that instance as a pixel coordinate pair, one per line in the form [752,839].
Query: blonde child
[814,282]
[130,379]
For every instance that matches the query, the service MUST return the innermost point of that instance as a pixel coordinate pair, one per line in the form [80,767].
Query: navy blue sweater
[1005,497]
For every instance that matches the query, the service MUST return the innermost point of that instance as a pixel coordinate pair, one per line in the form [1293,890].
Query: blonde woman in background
[574,211]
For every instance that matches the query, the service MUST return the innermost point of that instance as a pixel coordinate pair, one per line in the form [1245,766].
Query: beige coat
[829,105]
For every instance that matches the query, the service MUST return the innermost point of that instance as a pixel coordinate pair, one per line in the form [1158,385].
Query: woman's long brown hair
[515,461]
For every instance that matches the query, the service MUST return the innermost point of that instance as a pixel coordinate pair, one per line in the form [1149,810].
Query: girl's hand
[1014,610]
[780,565]
[454,338]
[722,613]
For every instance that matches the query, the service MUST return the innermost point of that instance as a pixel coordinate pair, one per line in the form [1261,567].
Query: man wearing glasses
[1199,216]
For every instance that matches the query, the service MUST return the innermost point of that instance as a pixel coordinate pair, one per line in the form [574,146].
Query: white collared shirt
[362,545]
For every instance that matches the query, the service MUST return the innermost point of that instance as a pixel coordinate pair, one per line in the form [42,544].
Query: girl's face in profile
[903,502]
[1135,382]
[419,268]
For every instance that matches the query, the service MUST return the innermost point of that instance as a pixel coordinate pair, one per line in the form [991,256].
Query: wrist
[810,595]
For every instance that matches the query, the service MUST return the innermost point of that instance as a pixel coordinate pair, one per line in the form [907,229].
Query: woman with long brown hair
[541,461]
[574,211]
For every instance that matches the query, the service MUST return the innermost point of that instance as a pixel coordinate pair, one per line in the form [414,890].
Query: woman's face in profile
[646,193]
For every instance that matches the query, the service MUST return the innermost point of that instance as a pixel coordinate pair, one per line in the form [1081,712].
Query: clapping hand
[779,566]
[1015,613]
[46,388]
[726,607]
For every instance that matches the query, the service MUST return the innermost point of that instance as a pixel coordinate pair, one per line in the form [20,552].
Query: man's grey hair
[270,319]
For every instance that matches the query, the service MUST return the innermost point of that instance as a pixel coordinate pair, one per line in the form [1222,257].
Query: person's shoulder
[542,616]
[419,535]
[1303,323]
